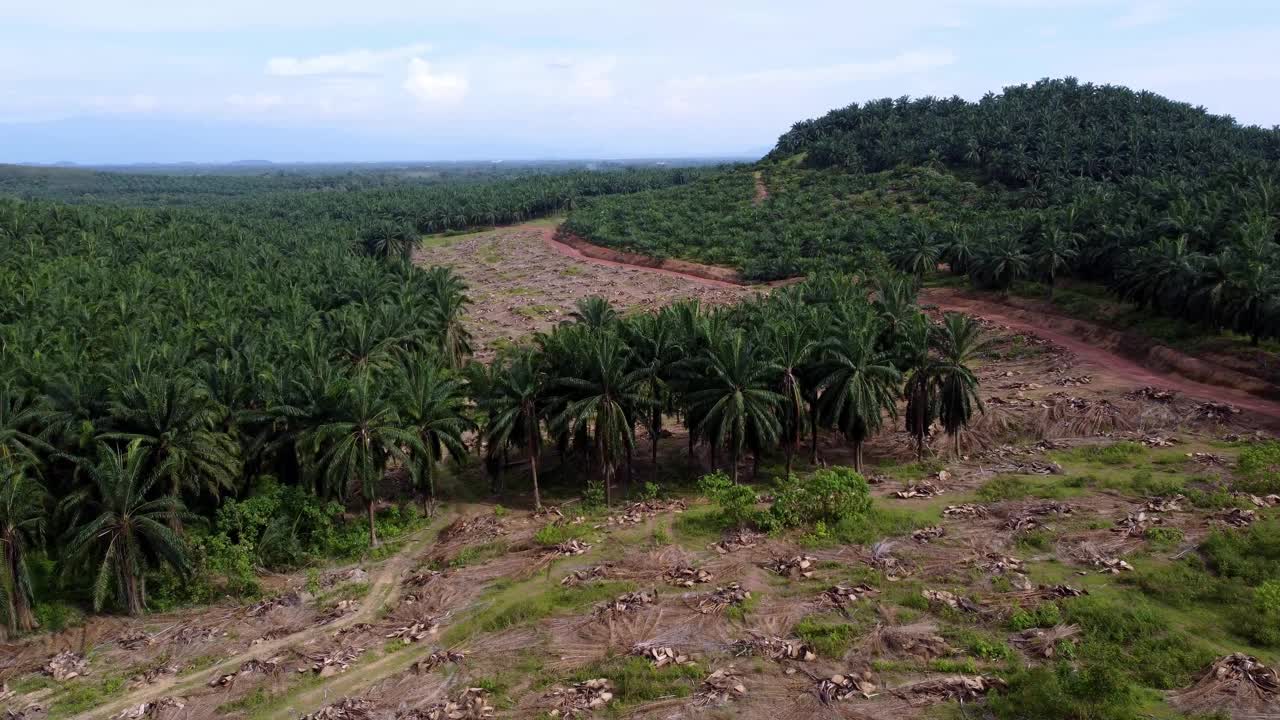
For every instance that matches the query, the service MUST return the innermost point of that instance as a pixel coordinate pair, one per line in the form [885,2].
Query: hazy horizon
[398,81]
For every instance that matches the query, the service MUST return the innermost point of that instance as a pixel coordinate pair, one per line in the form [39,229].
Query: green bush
[1094,691]
[832,496]
[1044,615]
[1258,470]
[736,502]
[1120,453]
[1252,555]
[1163,537]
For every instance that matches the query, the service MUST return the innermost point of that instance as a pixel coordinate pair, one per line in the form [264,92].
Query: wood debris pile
[774,648]
[638,512]
[842,596]
[1111,566]
[1235,517]
[65,666]
[686,576]
[570,548]
[1153,394]
[289,599]
[1164,504]
[1069,381]
[421,579]
[1234,682]
[659,656]
[344,709]
[1205,458]
[796,567]
[341,577]
[581,699]
[148,677]
[883,560]
[1136,524]
[845,687]
[1010,568]
[470,704]
[962,688]
[730,595]
[332,663]
[1264,501]
[926,535]
[1158,441]
[342,607]
[1061,591]
[737,540]
[720,687]
[164,707]
[416,632]
[1214,411]
[193,635]
[479,527]
[350,630]
[922,489]
[951,600]
[270,666]
[965,510]
[135,640]
[583,575]
[628,602]
[436,659]
[1043,643]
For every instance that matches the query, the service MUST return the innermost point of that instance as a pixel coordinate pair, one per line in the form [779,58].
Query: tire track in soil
[384,589]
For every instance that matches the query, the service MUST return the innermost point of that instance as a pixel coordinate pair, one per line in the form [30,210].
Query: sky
[117,81]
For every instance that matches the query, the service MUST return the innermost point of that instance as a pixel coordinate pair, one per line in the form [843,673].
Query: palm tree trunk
[955,438]
[733,458]
[373,528]
[533,471]
[857,455]
[656,429]
[21,619]
[790,449]
[715,456]
[813,434]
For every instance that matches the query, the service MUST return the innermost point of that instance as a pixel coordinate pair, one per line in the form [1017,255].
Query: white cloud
[354,62]
[434,88]
[255,102]
[1150,12]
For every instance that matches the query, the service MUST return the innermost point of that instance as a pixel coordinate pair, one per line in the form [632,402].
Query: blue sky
[105,81]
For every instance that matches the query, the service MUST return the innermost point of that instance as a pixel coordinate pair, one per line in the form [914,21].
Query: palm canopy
[432,403]
[958,340]
[734,400]
[119,530]
[518,406]
[858,382]
[22,523]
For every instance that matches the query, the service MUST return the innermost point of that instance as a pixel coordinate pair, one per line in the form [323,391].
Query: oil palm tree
[920,383]
[1054,253]
[734,399]
[358,444]
[518,407]
[118,530]
[859,383]
[957,340]
[449,303]
[22,419]
[595,312]
[22,516]
[655,352]
[432,402]
[999,262]
[792,349]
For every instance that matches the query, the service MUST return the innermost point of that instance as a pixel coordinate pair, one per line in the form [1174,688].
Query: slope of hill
[1171,207]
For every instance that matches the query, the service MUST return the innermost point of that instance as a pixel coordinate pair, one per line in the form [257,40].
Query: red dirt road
[1105,362]
[548,237]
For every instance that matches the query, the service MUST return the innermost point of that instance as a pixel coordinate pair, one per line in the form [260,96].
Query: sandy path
[1103,362]
[384,589]
[762,190]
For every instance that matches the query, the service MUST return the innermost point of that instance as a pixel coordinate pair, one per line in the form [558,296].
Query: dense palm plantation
[1165,204]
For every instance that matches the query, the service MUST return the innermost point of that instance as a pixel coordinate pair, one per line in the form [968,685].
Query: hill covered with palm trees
[1169,206]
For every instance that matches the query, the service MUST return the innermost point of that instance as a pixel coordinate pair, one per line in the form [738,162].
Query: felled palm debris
[135,640]
[570,548]
[198,634]
[274,633]
[844,687]
[149,677]
[628,602]
[1044,643]
[842,596]
[415,632]
[1062,591]
[351,630]
[1152,393]
[66,665]
[1010,568]
[721,686]
[1034,516]
[686,576]
[1033,467]
[340,577]
[965,510]
[1112,566]
[730,595]
[918,641]
[1158,441]
[882,559]
[158,708]
[344,709]
[1136,524]
[928,534]
[584,575]
[659,656]
[950,599]
[289,599]
[332,663]
[922,489]
[1264,501]
[341,608]
[421,579]
[955,688]
[774,648]
[437,659]
[470,704]
[1205,458]
[1070,381]
[796,567]
[581,699]
[548,511]
[639,512]
[1234,682]
[737,540]
[271,666]
[1164,504]
[1214,411]
[479,527]
[1235,517]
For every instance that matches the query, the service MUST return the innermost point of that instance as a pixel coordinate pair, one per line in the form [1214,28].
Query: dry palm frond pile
[797,567]
[66,665]
[737,540]
[337,661]
[160,709]
[841,597]
[479,527]
[416,632]
[470,704]
[844,687]
[920,641]
[437,659]
[1044,643]
[922,489]
[271,666]
[774,648]
[583,575]
[1235,682]
[570,548]
[731,595]
[961,688]
[951,600]
[580,700]
[628,602]
[659,656]
[1068,416]
[965,510]
[926,535]
[344,709]
[686,576]
[289,599]
[1235,517]
[720,687]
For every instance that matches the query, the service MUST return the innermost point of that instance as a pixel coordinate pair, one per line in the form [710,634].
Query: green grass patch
[551,535]
[519,606]
[635,680]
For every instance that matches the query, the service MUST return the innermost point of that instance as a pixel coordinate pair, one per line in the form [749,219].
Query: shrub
[736,502]
[832,496]
[1258,470]
[1163,537]
[1119,453]
[1044,615]
[1252,555]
